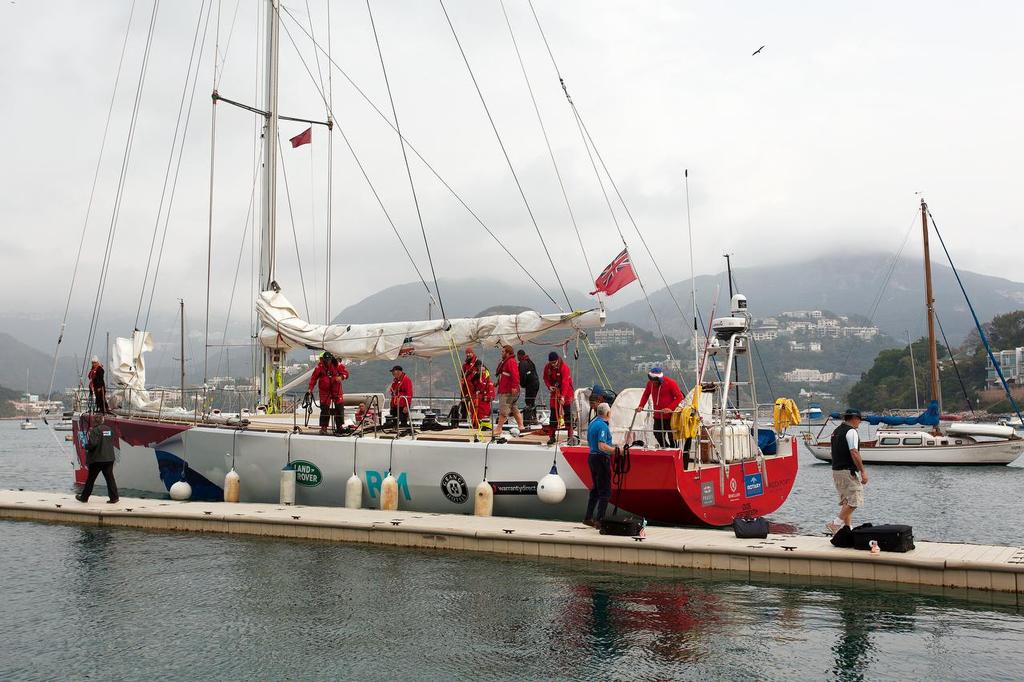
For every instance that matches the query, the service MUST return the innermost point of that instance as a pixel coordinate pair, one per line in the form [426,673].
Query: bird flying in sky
[757,50]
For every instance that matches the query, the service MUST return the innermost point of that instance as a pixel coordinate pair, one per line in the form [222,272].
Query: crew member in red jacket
[483,394]
[327,377]
[508,390]
[467,383]
[558,379]
[401,395]
[98,385]
[665,395]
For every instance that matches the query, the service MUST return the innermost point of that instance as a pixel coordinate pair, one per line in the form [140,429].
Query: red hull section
[658,488]
[130,431]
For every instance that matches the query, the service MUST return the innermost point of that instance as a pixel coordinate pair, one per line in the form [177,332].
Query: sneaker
[833,527]
[590,522]
[552,440]
[114,501]
[80,498]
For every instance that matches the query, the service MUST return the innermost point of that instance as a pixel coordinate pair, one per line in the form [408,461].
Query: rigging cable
[547,143]
[423,160]
[504,151]
[177,170]
[977,323]
[584,131]
[119,194]
[170,160]
[585,136]
[291,217]
[405,159]
[956,370]
[362,168]
[88,207]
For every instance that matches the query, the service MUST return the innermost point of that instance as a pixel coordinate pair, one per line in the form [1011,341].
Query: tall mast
[268,232]
[181,304]
[933,353]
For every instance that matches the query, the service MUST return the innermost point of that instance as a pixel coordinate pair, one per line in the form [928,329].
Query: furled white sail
[129,369]
[284,329]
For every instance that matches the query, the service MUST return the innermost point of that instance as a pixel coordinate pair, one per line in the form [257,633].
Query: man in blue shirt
[599,438]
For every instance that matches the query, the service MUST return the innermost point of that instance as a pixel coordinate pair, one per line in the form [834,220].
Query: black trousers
[530,394]
[663,432]
[601,492]
[100,397]
[329,408]
[107,468]
[403,418]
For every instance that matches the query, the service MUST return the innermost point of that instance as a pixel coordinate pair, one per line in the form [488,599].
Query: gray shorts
[850,489]
[507,404]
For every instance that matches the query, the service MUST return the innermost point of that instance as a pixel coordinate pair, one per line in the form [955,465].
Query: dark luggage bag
[891,537]
[750,528]
[616,524]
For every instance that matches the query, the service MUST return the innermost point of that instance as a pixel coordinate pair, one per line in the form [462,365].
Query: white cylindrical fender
[353,492]
[232,486]
[389,493]
[483,499]
[288,485]
[181,491]
[551,488]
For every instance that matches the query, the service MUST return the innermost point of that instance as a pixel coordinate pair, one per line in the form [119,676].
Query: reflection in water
[240,608]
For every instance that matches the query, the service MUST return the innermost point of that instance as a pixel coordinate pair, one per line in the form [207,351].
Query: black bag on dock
[891,537]
[844,537]
[629,526]
[750,528]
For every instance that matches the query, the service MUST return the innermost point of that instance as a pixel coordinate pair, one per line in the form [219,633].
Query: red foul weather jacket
[508,375]
[401,388]
[559,380]
[666,395]
[328,378]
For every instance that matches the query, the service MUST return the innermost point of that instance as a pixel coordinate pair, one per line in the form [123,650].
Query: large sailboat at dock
[716,473]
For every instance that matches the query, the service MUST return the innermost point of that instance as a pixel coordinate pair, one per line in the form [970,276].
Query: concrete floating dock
[934,564]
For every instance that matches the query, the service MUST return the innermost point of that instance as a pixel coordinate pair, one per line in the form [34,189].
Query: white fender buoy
[288,484]
[353,492]
[389,493]
[551,488]
[181,491]
[483,499]
[232,486]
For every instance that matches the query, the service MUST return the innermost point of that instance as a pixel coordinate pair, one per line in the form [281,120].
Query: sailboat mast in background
[933,353]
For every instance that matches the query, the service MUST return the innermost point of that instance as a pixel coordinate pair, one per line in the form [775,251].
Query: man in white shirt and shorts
[848,473]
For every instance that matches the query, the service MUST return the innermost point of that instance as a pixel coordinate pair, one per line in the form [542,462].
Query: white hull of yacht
[978,453]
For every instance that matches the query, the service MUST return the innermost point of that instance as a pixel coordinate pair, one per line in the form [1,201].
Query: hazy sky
[818,143]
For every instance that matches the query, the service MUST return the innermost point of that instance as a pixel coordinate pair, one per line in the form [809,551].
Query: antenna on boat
[693,282]
[728,270]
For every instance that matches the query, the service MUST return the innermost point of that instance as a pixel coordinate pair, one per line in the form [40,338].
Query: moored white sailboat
[963,443]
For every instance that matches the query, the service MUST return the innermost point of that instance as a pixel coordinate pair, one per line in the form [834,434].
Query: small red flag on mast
[616,275]
[305,137]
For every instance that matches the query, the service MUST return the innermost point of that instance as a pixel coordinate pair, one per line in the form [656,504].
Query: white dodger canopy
[284,329]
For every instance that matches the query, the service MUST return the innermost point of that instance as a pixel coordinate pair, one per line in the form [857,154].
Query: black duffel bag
[750,528]
[891,537]
[629,526]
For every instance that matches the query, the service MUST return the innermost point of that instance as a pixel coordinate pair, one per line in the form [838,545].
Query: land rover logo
[307,473]
[453,485]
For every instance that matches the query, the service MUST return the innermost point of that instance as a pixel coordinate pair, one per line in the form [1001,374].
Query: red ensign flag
[618,274]
[305,137]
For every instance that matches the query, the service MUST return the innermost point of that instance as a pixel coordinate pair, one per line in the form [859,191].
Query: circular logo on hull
[454,487]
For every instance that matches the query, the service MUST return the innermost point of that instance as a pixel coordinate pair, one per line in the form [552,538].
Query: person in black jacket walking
[99,457]
[848,473]
[530,382]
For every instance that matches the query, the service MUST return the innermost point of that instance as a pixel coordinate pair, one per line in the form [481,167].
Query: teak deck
[935,564]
